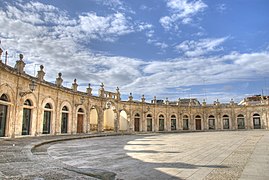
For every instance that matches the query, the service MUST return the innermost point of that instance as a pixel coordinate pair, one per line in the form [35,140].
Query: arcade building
[31,106]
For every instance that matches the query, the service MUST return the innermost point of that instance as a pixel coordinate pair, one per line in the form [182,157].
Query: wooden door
[198,124]
[136,124]
[80,123]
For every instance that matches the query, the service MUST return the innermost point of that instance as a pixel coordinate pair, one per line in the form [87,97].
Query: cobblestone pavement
[199,155]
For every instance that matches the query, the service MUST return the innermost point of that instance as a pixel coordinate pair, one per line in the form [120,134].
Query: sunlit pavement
[199,155]
[203,155]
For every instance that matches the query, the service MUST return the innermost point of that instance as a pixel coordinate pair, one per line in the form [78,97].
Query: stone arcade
[32,106]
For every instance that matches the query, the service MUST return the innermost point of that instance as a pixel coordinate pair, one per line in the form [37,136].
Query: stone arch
[149,119]
[111,116]
[198,122]
[256,120]
[211,122]
[240,119]
[226,121]
[80,123]
[65,120]
[186,121]
[137,125]
[123,121]
[161,121]
[8,111]
[8,90]
[27,114]
[94,118]
[173,121]
[47,114]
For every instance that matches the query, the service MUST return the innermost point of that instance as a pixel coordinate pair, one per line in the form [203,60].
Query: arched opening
[93,119]
[137,122]
[3,114]
[185,122]
[211,122]
[64,121]
[198,123]
[123,121]
[161,123]
[80,118]
[173,122]
[26,118]
[149,122]
[47,119]
[256,121]
[225,120]
[240,121]
[110,116]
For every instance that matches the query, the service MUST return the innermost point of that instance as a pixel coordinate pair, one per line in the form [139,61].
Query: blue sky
[205,49]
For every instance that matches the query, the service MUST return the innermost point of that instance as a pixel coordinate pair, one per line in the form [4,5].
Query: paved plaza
[198,155]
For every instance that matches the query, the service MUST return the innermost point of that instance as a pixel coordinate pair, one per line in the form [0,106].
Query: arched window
[240,121]
[198,122]
[64,108]
[48,106]
[64,121]
[161,122]
[26,121]
[173,122]
[149,122]
[185,122]
[47,119]
[225,119]
[4,97]
[211,122]
[27,103]
[256,121]
[80,110]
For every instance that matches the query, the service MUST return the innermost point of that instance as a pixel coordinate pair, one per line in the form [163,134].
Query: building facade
[31,106]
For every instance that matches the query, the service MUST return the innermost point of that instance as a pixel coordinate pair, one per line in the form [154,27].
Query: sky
[204,49]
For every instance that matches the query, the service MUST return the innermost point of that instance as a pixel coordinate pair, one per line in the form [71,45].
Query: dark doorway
[3,118]
[198,124]
[26,121]
[46,122]
[256,121]
[149,122]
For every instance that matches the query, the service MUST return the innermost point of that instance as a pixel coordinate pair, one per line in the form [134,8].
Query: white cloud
[105,28]
[57,48]
[203,46]
[182,11]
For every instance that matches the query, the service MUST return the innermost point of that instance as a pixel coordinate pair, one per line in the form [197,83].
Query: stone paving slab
[202,155]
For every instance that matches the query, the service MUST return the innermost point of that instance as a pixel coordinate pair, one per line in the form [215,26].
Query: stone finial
[143,98]
[75,85]
[204,102]
[217,103]
[20,64]
[101,91]
[130,97]
[59,80]
[232,102]
[117,93]
[41,73]
[89,90]
[166,101]
[154,100]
